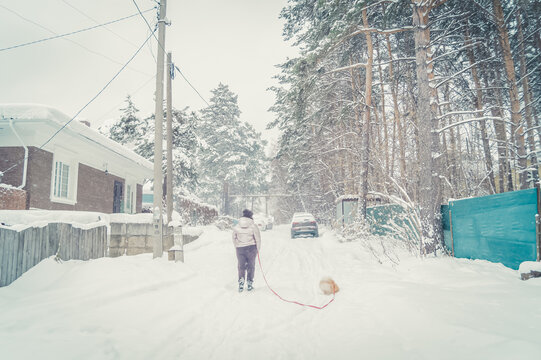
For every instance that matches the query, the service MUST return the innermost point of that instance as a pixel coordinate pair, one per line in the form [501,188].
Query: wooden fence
[21,250]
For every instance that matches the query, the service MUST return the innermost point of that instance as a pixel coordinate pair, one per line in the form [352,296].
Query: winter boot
[241,285]
[250,287]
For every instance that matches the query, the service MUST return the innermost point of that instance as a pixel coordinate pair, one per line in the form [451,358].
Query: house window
[61,180]
[129,199]
[64,179]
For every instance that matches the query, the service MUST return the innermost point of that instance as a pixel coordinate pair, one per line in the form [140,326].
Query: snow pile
[528,266]
[140,308]
[22,219]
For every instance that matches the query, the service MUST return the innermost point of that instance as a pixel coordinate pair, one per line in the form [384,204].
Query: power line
[68,34]
[97,22]
[132,93]
[70,40]
[189,83]
[149,27]
[99,92]
[176,67]
[89,102]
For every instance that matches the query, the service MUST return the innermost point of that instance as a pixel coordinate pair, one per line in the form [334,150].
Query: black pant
[246,257]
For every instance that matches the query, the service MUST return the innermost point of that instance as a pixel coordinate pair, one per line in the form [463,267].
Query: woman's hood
[245,222]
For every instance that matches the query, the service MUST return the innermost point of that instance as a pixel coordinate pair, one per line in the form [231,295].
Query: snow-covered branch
[472,120]
[461,72]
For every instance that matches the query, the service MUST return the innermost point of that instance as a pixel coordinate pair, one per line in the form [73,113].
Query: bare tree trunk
[429,192]
[527,101]
[396,114]
[453,155]
[516,117]
[413,172]
[365,149]
[226,197]
[383,117]
[501,141]
[480,113]
[356,125]
[537,123]
[501,133]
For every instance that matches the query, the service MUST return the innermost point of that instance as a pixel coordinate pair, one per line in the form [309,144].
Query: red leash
[291,301]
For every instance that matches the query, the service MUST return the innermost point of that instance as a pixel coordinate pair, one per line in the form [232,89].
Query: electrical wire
[87,104]
[149,27]
[97,22]
[68,34]
[176,67]
[131,94]
[99,92]
[189,83]
[73,41]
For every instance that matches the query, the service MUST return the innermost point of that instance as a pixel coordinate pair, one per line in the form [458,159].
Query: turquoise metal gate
[499,228]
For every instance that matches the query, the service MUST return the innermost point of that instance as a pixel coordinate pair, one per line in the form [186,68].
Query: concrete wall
[134,239]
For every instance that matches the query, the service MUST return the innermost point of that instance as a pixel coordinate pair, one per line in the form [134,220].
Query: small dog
[328,286]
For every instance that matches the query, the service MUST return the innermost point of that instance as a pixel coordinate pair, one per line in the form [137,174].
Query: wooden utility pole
[158,137]
[169,199]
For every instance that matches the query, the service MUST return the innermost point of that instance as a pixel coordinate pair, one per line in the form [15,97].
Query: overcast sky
[236,42]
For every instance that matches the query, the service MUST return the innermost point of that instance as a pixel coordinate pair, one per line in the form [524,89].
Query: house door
[118,196]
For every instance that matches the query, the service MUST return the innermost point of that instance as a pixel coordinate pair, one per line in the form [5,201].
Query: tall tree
[127,130]
[232,157]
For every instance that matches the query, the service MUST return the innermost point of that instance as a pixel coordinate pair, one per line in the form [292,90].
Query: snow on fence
[20,250]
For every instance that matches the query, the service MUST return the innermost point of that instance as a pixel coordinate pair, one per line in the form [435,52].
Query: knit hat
[248,214]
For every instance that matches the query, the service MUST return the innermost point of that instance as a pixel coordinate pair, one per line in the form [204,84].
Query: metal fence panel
[498,228]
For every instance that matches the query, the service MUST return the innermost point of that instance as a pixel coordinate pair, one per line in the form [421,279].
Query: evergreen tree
[128,130]
[231,158]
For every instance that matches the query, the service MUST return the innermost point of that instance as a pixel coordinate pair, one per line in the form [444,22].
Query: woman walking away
[247,240]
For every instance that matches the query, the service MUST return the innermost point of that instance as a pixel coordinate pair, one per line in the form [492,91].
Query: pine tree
[231,158]
[129,128]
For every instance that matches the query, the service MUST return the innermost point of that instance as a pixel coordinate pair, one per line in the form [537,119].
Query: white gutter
[25,154]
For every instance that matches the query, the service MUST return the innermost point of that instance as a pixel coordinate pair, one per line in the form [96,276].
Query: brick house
[77,169]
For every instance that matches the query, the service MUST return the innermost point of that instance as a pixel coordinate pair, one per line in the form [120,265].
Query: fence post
[178,244]
[538,221]
[451,231]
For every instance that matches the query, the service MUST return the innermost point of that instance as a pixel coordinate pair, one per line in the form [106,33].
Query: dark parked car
[303,224]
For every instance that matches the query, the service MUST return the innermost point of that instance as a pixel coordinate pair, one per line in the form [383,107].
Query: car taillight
[313,223]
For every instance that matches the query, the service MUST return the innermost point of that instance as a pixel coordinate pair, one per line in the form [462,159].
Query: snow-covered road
[139,308]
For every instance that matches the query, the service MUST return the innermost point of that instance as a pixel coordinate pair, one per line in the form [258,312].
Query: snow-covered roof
[92,148]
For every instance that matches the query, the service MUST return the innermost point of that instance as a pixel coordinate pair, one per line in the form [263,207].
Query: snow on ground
[139,308]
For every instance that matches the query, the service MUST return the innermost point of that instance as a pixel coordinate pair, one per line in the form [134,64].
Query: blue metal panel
[498,228]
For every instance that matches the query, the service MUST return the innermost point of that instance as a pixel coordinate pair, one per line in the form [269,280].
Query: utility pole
[158,136]
[169,180]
